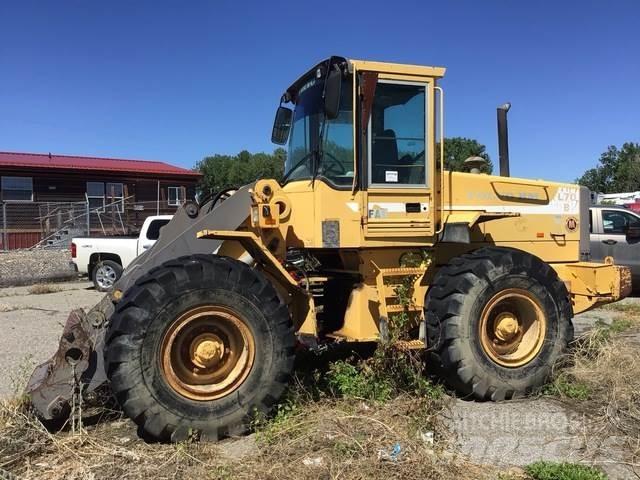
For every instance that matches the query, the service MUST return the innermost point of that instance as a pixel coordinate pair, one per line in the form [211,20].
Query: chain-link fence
[54,224]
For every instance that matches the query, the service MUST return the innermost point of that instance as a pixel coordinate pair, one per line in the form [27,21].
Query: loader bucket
[78,360]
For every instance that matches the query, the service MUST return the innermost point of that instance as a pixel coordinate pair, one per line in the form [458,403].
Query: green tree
[619,170]
[225,171]
[458,149]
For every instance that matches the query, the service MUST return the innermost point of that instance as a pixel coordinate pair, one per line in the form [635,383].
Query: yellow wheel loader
[200,331]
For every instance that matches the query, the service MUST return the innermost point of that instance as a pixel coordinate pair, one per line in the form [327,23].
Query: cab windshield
[308,144]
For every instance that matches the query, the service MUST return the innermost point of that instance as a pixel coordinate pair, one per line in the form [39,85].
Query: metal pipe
[5,236]
[503,139]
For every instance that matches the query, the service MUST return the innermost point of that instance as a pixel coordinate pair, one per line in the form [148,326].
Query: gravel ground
[26,267]
[520,432]
[31,326]
[509,433]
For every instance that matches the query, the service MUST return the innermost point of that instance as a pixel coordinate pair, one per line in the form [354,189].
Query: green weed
[563,471]
[564,385]
[388,373]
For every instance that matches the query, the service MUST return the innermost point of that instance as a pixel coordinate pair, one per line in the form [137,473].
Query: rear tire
[158,379]
[474,339]
[105,274]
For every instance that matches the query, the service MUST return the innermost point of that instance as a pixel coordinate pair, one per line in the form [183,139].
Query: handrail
[441,91]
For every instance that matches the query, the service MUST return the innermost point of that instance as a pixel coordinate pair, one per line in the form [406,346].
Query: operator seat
[384,155]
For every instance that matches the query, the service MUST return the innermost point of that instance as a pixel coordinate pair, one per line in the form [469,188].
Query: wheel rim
[512,328]
[106,276]
[207,353]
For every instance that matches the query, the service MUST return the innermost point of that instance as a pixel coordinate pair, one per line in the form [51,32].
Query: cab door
[398,200]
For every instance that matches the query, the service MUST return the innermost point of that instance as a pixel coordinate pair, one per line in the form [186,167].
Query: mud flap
[78,360]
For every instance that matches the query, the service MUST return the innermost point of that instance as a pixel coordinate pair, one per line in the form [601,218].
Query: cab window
[336,163]
[618,221]
[397,135]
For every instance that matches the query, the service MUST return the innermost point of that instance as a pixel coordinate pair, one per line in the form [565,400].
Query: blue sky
[176,81]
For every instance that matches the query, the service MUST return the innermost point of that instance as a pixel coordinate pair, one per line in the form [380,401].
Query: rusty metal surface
[626,285]
[79,359]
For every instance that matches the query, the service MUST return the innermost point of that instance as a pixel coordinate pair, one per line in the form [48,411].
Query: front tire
[497,321]
[199,346]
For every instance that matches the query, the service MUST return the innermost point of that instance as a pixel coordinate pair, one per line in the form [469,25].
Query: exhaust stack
[503,139]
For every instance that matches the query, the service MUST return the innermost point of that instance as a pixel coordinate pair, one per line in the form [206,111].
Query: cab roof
[400,68]
[366,65]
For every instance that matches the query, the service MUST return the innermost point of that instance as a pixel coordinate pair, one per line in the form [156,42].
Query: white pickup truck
[104,258]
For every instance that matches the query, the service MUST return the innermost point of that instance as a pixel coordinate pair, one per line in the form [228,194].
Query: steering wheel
[334,163]
[408,159]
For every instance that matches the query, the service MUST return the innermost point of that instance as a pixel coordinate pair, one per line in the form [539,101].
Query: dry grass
[601,380]
[4,307]
[43,288]
[109,451]
[344,438]
[313,434]
[631,309]
[355,439]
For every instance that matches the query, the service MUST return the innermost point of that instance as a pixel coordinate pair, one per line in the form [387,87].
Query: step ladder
[387,282]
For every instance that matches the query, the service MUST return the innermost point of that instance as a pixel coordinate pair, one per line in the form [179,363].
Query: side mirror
[281,125]
[332,92]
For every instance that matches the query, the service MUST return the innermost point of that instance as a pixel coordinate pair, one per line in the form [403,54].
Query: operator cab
[366,128]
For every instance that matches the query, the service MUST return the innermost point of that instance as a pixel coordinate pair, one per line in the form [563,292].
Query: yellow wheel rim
[207,353]
[512,328]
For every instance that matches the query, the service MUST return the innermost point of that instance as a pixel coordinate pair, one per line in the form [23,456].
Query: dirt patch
[43,288]
[26,267]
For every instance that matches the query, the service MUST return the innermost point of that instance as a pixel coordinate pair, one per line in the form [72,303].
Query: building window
[176,196]
[115,196]
[95,196]
[104,197]
[17,189]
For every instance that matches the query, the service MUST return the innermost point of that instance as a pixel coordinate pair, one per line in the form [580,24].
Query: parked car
[615,232]
[104,258]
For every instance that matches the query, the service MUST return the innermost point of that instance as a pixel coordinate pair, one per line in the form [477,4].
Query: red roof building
[50,162]
[42,193]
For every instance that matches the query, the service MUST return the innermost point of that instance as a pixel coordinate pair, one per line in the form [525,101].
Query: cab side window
[397,135]
[618,221]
